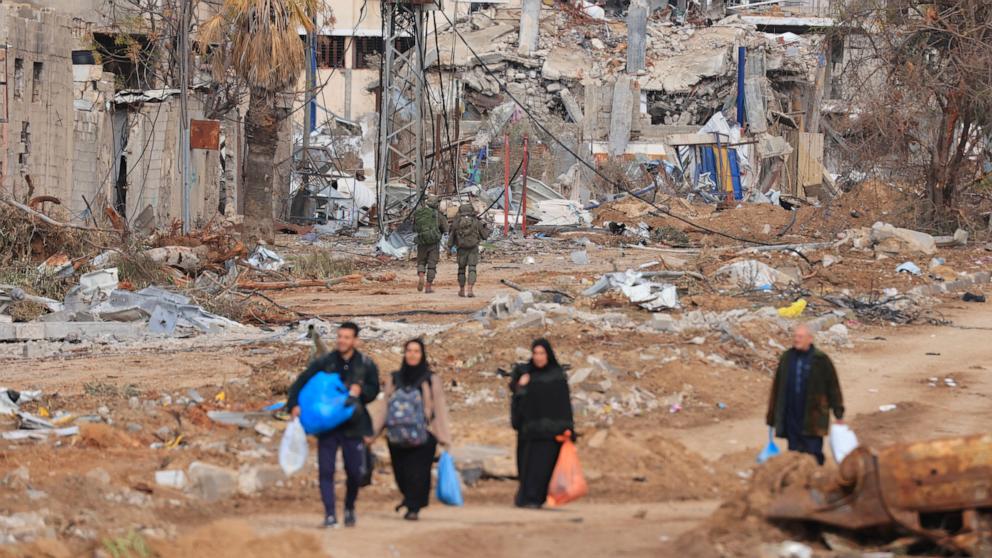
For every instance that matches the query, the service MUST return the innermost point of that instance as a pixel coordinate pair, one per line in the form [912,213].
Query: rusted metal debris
[38,200]
[940,490]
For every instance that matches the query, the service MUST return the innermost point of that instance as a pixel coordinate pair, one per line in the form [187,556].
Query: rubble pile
[689,76]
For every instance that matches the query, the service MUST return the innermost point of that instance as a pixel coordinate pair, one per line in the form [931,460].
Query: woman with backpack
[540,410]
[416,421]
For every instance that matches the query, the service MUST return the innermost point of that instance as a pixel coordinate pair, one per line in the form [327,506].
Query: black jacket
[359,370]
[822,395]
[542,409]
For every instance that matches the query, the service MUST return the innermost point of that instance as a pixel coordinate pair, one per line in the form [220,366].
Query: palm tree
[258,41]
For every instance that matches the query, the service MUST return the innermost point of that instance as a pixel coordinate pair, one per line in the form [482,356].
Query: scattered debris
[893,241]
[265,259]
[641,291]
[752,274]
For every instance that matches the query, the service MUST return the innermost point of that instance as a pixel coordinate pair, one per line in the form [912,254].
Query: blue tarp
[708,164]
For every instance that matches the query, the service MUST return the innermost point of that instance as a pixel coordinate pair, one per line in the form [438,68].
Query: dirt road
[484,531]
[640,499]
[875,372]
[891,366]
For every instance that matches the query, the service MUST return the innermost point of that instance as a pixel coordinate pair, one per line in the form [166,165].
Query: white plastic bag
[842,441]
[293,448]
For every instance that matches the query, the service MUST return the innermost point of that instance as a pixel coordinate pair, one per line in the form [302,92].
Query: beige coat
[435,408]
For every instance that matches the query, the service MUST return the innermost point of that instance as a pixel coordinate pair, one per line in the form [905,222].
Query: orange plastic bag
[567,482]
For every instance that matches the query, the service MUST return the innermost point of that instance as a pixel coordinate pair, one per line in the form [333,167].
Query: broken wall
[151,155]
[93,139]
[38,72]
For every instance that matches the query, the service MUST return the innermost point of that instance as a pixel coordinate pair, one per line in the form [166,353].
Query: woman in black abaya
[540,410]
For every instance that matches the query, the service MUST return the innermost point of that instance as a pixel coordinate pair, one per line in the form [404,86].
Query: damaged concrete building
[633,82]
[645,83]
[96,130]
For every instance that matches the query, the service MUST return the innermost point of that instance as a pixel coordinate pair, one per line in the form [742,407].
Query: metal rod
[506,185]
[741,61]
[523,195]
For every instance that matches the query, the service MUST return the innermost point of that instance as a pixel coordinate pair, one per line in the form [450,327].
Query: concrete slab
[54,331]
[482,41]
[708,53]
[31,331]
[566,63]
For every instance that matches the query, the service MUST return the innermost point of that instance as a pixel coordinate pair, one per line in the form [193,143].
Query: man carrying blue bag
[361,377]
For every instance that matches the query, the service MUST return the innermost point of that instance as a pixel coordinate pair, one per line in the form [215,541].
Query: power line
[582,160]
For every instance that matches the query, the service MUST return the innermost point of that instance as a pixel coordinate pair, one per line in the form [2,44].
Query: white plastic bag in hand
[842,441]
[293,448]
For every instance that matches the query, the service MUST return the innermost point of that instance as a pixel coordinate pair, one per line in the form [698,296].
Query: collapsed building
[718,98]
[582,80]
[707,100]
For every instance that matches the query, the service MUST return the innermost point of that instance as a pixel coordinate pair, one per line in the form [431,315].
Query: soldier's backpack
[406,421]
[425,225]
[465,231]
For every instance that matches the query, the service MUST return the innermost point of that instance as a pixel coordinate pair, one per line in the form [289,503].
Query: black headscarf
[552,360]
[542,409]
[414,375]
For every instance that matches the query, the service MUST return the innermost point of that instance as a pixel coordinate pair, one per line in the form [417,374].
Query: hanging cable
[444,108]
[585,163]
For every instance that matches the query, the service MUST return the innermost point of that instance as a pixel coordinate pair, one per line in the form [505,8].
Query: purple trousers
[353,452]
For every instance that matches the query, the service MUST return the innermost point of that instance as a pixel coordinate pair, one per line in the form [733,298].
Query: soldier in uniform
[467,233]
[430,226]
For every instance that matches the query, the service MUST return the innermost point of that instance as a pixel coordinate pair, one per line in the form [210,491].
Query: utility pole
[185,18]
[401,130]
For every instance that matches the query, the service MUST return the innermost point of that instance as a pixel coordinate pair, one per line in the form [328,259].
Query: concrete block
[823,323]
[663,322]
[259,478]
[171,478]
[8,332]
[533,318]
[959,285]
[30,331]
[211,482]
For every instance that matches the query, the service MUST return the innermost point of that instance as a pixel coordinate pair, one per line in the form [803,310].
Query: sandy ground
[891,366]
[495,531]
[625,515]
[877,372]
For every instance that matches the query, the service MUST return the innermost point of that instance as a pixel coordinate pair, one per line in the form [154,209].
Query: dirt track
[490,531]
[658,475]
[876,372]
[893,370]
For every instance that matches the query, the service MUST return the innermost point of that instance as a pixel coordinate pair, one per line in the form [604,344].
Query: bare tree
[919,77]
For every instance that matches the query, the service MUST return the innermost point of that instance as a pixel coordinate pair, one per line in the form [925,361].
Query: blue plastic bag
[771,450]
[449,483]
[322,403]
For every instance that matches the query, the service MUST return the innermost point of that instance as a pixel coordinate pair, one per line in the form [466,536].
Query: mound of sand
[231,538]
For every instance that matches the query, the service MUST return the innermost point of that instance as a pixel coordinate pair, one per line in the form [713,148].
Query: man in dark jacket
[804,392]
[361,375]
[467,232]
